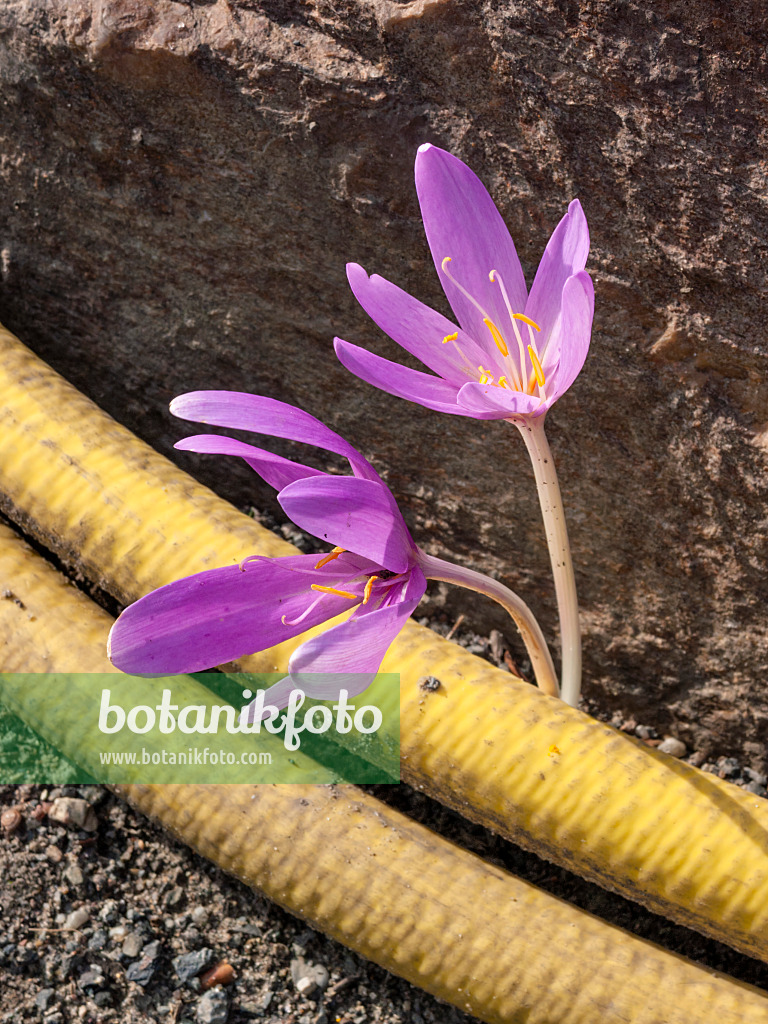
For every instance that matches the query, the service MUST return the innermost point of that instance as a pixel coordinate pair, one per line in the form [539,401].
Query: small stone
[44,998]
[92,979]
[189,965]
[68,810]
[54,854]
[673,746]
[98,940]
[758,777]
[429,683]
[756,788]
[213,1007]
[199,915]
[76,919]
[141,971]
[727,767]
[133,944]
[72,874]
[697,758]
[308,978]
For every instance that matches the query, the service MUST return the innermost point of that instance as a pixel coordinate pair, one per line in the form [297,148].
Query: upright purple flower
[512,353]
[223,614]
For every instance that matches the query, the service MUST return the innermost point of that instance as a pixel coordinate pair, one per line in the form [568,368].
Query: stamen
[463,290]
[526,320]
[485,377]
[368,589]
[503,383]
[450,337]
[536,366]
[333,590]
[501,345]
[310,607]
[330,557]
[252,558]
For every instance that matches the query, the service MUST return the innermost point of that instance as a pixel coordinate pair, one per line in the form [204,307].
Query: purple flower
[512,353]
[223,614]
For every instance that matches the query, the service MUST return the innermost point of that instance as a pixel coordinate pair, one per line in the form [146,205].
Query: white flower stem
[532,429]
[535,644]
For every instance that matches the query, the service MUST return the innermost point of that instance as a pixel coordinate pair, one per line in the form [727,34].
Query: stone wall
[183,183]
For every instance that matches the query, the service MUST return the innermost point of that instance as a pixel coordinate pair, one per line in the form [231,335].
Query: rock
[213,1007]
[133,944]
[189,965]
[76,919]
[73,874]
[247,177]
[44,999]
[98,940]
[142,971]
[308,978]
[672,746]
[74,812]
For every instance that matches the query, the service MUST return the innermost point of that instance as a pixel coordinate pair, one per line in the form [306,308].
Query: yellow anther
[330,557]
[501,345]
[485,377]
[503,382]
[450,337]
[536,366]
[333,590]
[526,320]
[447,259]
[368,589]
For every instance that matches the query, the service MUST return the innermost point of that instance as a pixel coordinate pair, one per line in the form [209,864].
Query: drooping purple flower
[222,614]
[511,353]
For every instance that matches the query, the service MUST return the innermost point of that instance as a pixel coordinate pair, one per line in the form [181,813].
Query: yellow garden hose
[464,930]
[685,844]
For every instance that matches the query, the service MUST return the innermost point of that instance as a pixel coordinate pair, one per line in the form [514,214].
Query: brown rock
[183,185]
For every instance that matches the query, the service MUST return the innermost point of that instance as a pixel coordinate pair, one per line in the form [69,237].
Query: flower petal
[277,471]
[237,410]
[414,386]
[415,327]
[219,615]
[578,310]
[358,515]
[461,221]
[565,255]
[356,646]
[485,401]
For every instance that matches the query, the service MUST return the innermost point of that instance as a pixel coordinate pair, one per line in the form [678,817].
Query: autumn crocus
[510,354]
[375,570]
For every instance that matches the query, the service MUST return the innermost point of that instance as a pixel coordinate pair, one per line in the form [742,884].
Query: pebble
[132,944]
[68,810]
[672,746]
[213,1007]
[91,979]
[98,940]
[758,777]
[727,767]
[54,854]
[141,971]
[76,919]
[308,978]
[44,998]
[72,874]
[199,916]
[189,965]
